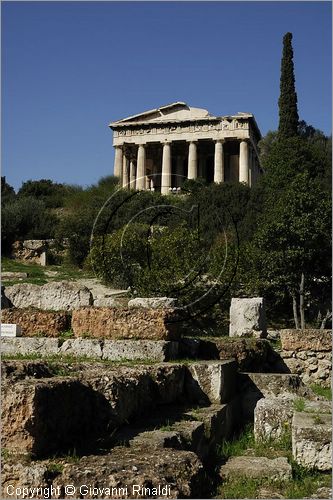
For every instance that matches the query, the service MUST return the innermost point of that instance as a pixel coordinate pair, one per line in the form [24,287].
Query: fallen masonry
[124,428]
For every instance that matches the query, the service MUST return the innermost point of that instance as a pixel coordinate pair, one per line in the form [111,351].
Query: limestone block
[124,323]
[217,422]
[212,381]
[35,322]
[155,350]
[29,345]
[47,416]
[152,302]
[274,384]
[272,417]
[247,317]
[105,302]
[275,469]
[312,440]
[306,340]
[157,439]
[90,348]
[61,295]
[126,468]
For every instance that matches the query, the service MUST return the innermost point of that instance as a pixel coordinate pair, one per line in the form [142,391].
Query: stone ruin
[150,418]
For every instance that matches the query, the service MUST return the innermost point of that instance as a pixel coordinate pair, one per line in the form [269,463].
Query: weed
[55,468]
[299,404]
[326,392]
[317,420]
[166,427]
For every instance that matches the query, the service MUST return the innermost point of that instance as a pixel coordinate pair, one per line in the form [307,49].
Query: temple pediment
[175,111]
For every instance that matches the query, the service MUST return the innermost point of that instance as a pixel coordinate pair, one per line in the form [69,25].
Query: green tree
[289,255]
[7,192]
[52,194]
[24,219]
[288,114]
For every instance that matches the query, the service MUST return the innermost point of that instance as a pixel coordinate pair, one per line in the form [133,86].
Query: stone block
[248,467]
[211,381]
[36,322]
[48,416]
[124,323]
[137,473]
[247,317]
[312,440]
[306,340]
[29,345]
[105,302]
[217,422]
[157,439]
[251,354]
[90,348]
[153,302]
[274,384]
[56,296]
[272,417]
[155,350]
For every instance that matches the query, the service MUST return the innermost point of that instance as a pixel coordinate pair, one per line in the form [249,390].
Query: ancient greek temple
[161,148]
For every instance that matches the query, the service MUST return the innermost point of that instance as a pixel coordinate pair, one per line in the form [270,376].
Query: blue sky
[69,68]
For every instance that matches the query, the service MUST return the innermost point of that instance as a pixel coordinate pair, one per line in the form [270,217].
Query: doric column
[118,162]
[125,172]
[166,168]
[192,172]
[244,162]
[218,162]
[141,168]
[179,171]
[132,174]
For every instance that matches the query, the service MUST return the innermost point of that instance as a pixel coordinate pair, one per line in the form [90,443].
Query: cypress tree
[288,114]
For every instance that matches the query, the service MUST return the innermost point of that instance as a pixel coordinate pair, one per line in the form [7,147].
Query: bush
[25,219]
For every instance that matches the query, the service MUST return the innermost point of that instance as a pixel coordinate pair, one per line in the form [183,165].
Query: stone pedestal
[248,318]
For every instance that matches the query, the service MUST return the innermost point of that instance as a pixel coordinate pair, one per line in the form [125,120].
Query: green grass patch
[69,359]
[326,392]
[298,487]
[299,404]
[36,273]
[246,444]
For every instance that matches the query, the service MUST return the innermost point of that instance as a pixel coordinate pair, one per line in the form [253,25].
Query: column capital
[244,139]
[222,141]
[192,141]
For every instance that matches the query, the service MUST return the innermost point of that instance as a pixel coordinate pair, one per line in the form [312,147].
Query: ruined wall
[309,354]
[123,323]
[34,322]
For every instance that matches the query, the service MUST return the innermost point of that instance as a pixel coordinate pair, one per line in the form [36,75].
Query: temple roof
[174,111]
[177,112]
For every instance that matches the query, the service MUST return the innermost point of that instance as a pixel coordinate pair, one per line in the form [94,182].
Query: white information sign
[10,330]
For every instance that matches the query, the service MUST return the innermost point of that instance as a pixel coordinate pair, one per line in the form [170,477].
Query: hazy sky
[69,68]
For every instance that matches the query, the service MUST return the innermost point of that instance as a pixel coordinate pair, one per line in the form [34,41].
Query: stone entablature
[159,149]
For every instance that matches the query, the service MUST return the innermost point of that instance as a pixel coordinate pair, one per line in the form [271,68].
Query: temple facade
[161,148]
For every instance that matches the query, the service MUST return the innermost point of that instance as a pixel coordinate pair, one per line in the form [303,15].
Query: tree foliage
[288,114]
